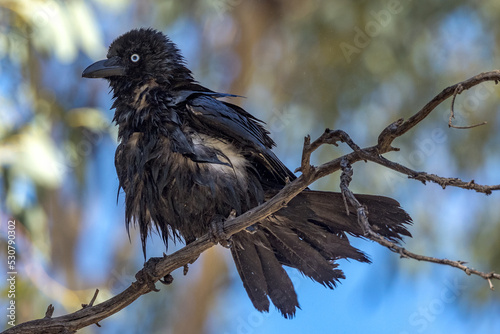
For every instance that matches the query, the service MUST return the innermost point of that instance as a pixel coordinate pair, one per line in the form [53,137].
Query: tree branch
[457,264]
[399,128]
[157,268]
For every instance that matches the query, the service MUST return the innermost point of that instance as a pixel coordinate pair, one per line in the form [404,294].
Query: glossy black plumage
[186,159]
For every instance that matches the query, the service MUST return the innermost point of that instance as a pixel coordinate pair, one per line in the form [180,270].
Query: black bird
[186,159]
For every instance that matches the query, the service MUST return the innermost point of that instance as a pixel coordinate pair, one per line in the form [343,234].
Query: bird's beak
[104,68]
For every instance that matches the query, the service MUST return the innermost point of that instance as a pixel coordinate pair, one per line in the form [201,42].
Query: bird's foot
[147,274]
[217,233]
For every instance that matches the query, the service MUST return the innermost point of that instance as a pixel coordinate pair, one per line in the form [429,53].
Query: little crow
[187,159]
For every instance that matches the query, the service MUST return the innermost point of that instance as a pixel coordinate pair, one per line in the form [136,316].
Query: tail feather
[308,235]
[279,285]
[327,209]
[262,274]
[249,267]
[296,253]
[332,246]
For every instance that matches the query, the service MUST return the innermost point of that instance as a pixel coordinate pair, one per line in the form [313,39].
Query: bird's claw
[147,275]
[144,277]
[217,233]
[167,279]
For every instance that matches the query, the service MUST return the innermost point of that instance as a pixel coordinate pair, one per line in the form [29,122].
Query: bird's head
[139,56]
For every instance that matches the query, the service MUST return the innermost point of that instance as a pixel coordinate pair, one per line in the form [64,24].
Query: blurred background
[303,66]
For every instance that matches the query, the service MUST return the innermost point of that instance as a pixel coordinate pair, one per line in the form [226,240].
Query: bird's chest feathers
[140,95]
[167,186]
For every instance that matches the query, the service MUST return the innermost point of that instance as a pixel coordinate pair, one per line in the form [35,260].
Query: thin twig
[467,126]
[92,301]
[457,91]
[49,312]
[426,177]
[457,264]
[400,127]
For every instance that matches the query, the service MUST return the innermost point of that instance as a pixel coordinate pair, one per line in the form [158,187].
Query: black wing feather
[226,120]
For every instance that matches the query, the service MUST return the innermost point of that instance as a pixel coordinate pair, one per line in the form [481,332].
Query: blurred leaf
[90,118]
[86,29]
[36,155]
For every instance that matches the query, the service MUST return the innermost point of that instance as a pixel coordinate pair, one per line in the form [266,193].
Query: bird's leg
[217,233]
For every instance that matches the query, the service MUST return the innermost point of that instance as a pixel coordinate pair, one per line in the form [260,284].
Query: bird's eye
[135,57]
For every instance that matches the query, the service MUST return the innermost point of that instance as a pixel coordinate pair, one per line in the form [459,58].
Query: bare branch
[456,182]
[424,177]
[156,269]
[457,264]
[328,137]
[459,90]
[399,128]
[370,234]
